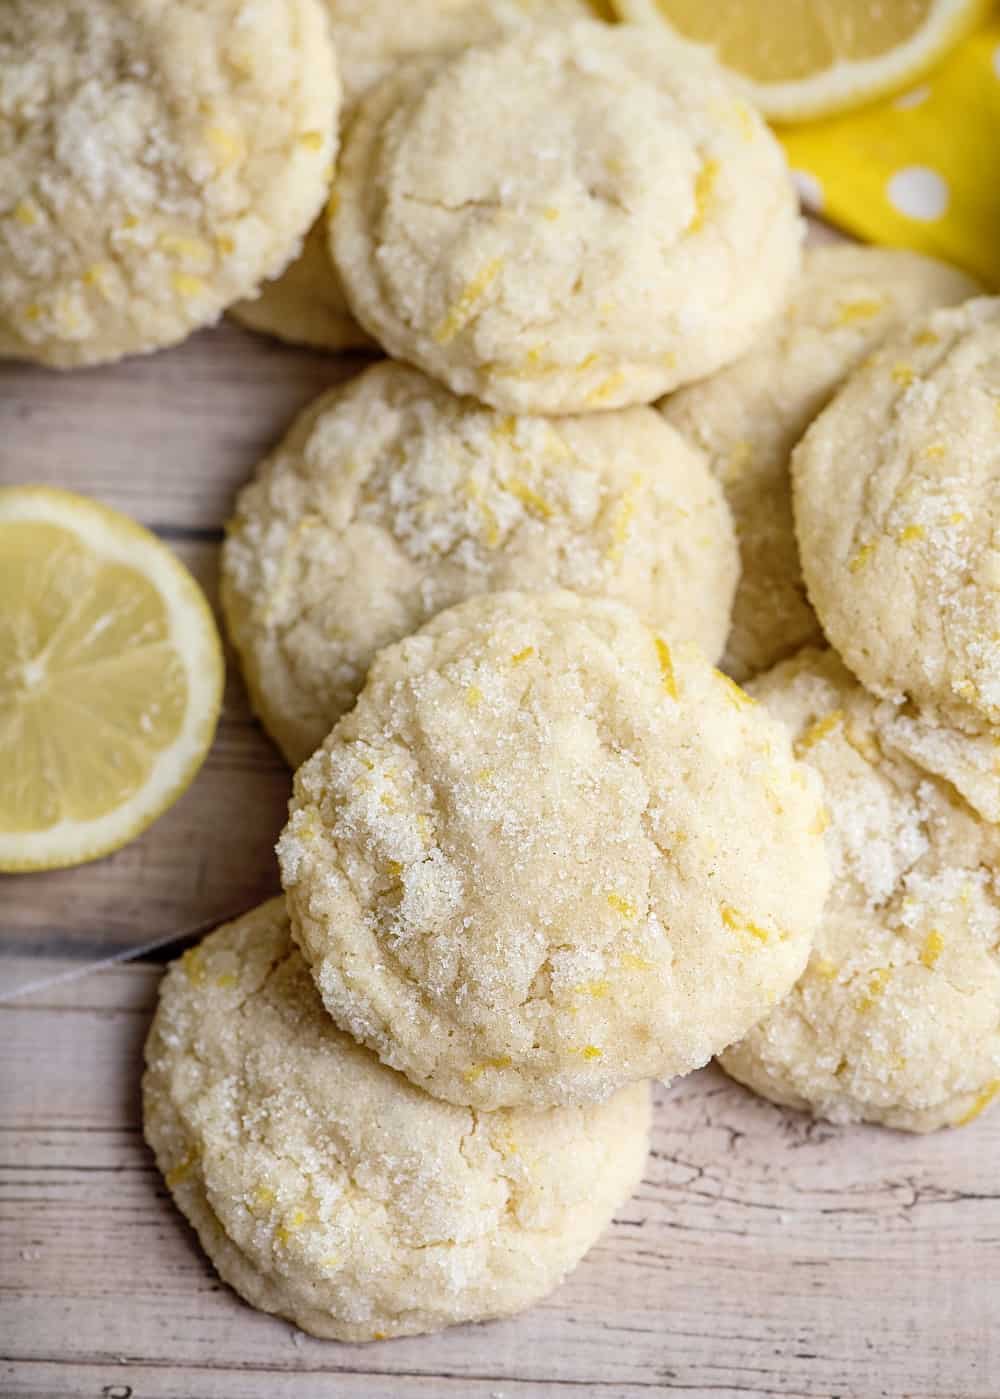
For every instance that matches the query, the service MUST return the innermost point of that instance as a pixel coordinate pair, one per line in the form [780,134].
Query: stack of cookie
[539,850]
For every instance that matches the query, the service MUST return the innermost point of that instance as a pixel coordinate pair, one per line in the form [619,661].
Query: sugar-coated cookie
[897,508]
[158,159]
[897,1017]
[306,304]
[568,220]
[749,416]
[391,499]
[547,853]
[328,1189]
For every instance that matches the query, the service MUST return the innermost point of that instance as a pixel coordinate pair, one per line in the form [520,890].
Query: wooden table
[762,1255]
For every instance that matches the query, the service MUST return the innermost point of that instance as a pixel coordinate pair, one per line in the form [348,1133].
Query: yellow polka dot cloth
[919,170]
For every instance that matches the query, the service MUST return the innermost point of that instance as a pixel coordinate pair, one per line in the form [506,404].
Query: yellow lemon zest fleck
[193,962]
[522,655]
[590,1051]
[903,375]
[818,731]
[332,1260]
[461,313]
[228,146]
[735,694]
[910,533]
[312,140]
[823,967]
[264,1196]
[225,981]
[194,248]
[957,518]
[606,387]
[935,449]
[473,696]
[25,212]
[97,275]
[523,492]
[932,948]
[926,337]
[633,963]
[876,985]
[982,1101]
[476,1072]
[32,312]
[291,1226]
[667,668]
[506,427]
[623,519]
[378,1335]
[597,989]
[186,285]
[550,212]
[861,558]
[820,823]
[744,120]
[850,312]
[736,921]
[703,187]
[130,221]
[621,905]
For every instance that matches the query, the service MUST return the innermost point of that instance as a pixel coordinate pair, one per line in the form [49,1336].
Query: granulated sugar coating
[328,1189]
[391,499]
[568,220]
[306,304]
[157,161]
[749,416]
[897,506]
[897,1017]
[548,853]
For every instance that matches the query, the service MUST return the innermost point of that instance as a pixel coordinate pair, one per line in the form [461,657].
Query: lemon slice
[798,59]
[110,678]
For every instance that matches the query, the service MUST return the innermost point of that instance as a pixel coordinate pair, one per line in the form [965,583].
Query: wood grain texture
[763,1255]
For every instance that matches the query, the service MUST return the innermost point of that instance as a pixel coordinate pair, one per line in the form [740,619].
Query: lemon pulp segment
[110,678]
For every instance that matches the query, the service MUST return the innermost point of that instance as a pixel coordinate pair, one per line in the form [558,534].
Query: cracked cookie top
[897,1017]
[306,304]
[897,508]
[564,221]
[749,416]
[549,852]
[158,159]
[391,499]
[328,1189]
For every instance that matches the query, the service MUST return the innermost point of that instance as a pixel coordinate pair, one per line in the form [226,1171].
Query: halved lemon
[799,59]
[111,678]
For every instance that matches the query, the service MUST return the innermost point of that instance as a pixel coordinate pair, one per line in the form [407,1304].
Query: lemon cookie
[157,160]
[391,499]
[306,304]
[564,221]
[328,1189]
[897,510]
[897,1017]
[547,853]
[749,416]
